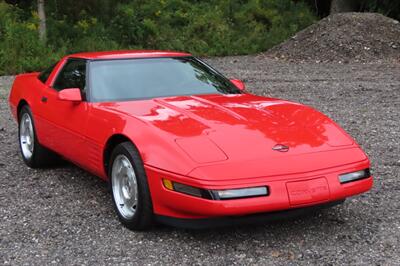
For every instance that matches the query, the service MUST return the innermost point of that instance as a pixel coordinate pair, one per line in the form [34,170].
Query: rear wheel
[129,187]
[33,154]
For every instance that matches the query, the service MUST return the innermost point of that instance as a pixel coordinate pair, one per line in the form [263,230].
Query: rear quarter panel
[26,87]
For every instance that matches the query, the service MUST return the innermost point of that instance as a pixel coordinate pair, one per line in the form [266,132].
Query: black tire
[143,216]
[41,156]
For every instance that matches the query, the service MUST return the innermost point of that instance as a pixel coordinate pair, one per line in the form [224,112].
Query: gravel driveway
[65,215]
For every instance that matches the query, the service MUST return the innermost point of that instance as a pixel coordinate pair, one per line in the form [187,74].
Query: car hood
[237,128]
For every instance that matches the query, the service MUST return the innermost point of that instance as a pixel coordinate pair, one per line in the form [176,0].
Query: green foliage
[20,48]
[223,27]
[209,27]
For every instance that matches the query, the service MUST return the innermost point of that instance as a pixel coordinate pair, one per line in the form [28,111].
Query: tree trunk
[339,6]
[42,20]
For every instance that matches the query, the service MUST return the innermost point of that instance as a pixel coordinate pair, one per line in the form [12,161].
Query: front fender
[157,149]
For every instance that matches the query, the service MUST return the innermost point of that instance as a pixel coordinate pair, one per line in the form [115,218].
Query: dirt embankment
[344,38]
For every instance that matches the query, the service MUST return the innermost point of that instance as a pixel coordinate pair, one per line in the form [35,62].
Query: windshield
[129,79]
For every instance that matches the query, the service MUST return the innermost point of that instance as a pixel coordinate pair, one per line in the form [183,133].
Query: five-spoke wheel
[124,186]
[26,135]
[130,190]
[33,153]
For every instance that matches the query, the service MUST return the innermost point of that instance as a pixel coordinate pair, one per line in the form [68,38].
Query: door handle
[44,99]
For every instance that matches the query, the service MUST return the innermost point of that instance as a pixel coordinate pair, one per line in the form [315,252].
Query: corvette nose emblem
[281,148]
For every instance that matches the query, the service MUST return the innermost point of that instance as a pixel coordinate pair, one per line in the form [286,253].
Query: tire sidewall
[144,204]
[26,110]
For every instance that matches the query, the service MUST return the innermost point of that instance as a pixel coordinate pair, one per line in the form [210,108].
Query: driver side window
[72,75]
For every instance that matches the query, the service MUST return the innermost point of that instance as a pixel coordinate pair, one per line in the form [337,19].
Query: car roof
[123,54]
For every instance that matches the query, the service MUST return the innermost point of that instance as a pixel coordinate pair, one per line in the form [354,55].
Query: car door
[65,121]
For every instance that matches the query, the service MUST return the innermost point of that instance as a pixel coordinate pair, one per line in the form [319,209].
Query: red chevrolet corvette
[181,144]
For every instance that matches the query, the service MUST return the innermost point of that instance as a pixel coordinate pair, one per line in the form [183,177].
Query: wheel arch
[21,104]
[111,143]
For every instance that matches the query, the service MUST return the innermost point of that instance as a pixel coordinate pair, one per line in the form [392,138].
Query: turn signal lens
[216,194]
[185,189]
[349,177]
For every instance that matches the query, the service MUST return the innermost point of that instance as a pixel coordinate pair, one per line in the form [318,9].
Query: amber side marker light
[224,194]
[168,184]
[354,176]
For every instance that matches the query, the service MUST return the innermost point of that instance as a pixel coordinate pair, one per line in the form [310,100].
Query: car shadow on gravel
[325,217]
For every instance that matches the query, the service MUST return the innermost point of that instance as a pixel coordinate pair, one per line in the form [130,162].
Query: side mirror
[239,84]
[72,95]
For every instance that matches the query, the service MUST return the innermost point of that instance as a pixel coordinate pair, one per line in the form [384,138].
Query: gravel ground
[65,216]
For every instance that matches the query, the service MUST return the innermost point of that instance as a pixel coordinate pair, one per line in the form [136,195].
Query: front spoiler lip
[258,218]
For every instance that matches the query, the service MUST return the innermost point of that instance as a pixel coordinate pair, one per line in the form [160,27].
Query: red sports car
[181,144]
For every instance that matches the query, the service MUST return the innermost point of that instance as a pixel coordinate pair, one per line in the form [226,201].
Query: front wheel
[129,186]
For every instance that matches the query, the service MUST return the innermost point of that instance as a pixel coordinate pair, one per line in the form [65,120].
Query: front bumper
[286,193]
